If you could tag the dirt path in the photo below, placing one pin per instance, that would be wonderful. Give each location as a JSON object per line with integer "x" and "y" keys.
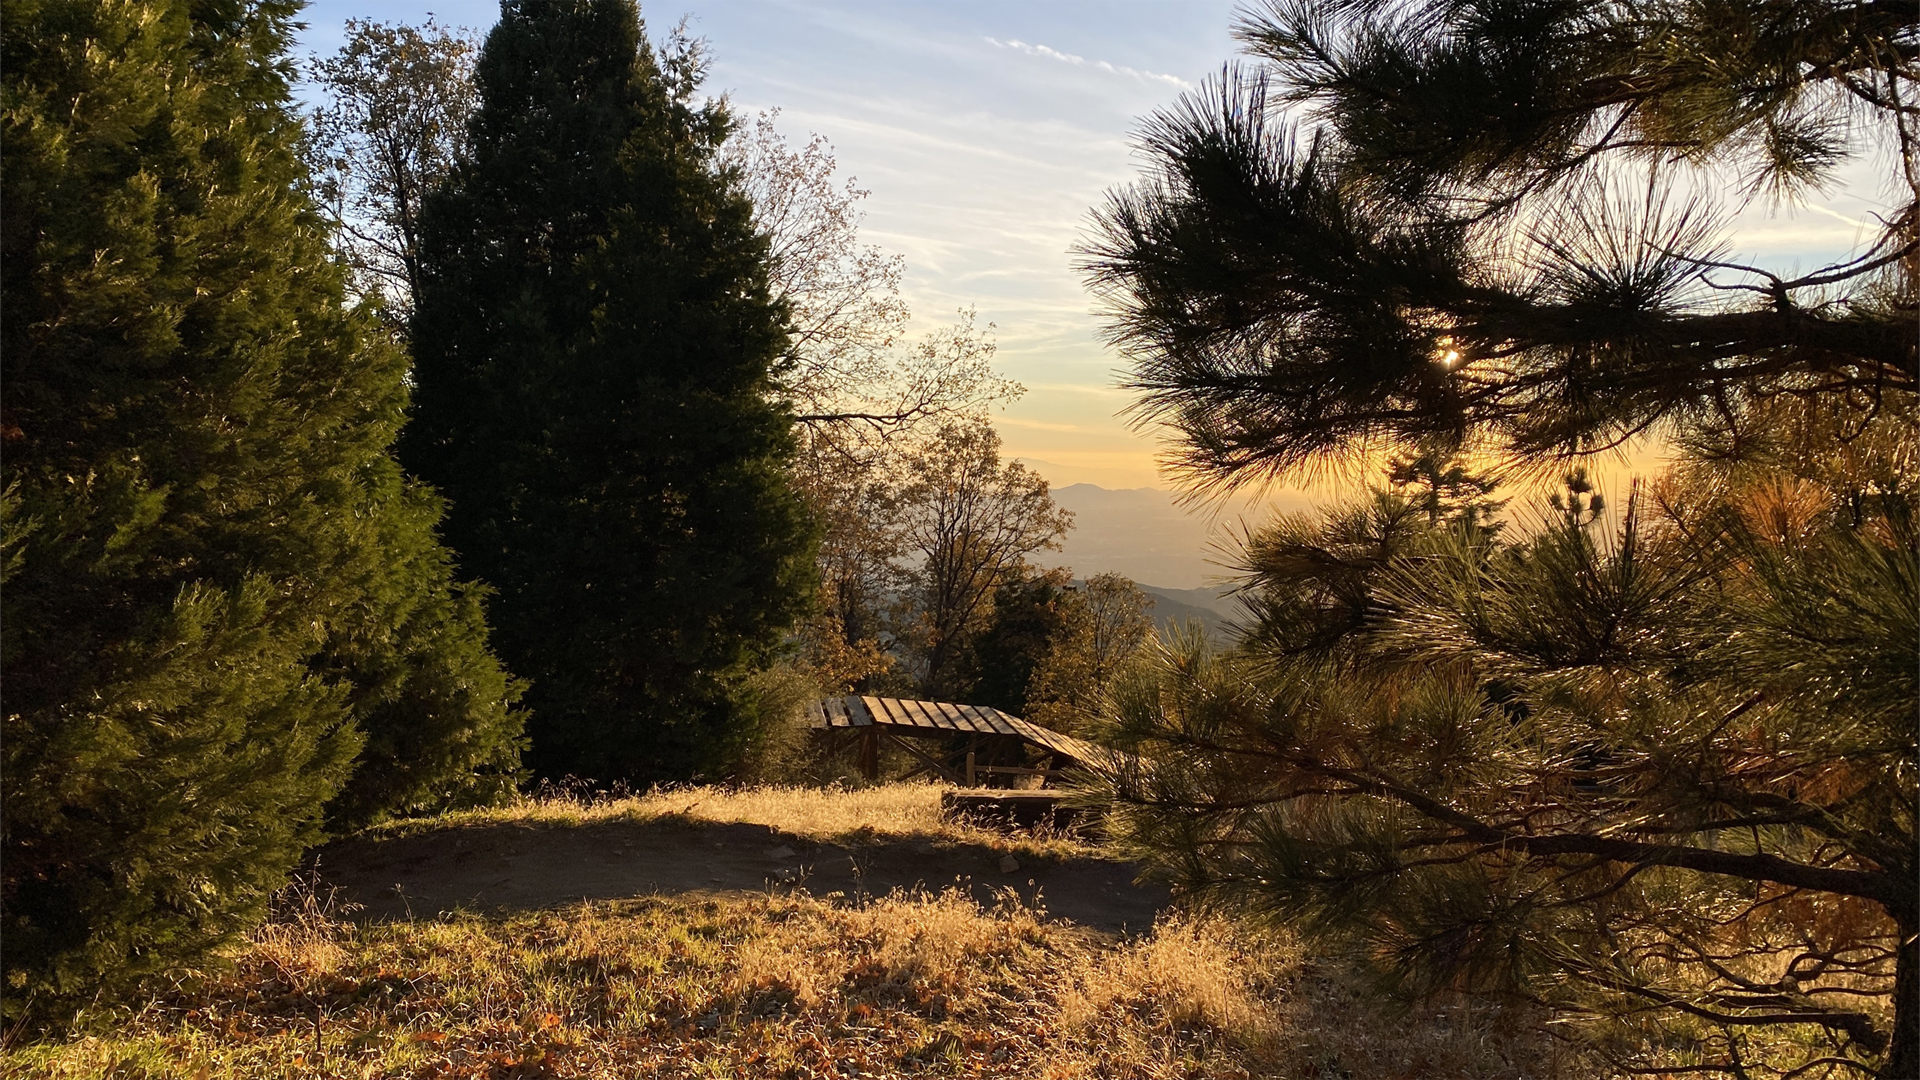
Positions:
{"x": 502, "y": 868}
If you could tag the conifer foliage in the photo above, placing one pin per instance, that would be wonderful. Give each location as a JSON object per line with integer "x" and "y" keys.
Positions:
{"x": 1489, "y": 223}
{"x": 219, "y": 587}
{"x": 1650, "y": 766}
{"x": 594, "y": 343}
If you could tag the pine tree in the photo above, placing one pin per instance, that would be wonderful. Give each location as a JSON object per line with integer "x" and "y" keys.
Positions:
{"x": 1494, "y": 235}
{"x": 218, "y": 586}
{"x": 593, "y": 342}
{"x": 1654, "y": 775}
{"x": 1652, "y": 766}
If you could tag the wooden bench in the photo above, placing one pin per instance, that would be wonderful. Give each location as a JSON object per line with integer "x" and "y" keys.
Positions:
{"x": 996, "y": 808}
{"x": 975, "y": 771}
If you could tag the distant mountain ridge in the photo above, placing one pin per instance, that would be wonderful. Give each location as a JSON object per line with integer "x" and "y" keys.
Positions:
{"x": 1143, "y": 534}
{"x": 1174, "y": 607}
{"x": 1202, "y": 606}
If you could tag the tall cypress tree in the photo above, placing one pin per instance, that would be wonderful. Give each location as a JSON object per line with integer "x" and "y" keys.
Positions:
{"x": 593, "y": 341}
{"x": 219, "y": 588}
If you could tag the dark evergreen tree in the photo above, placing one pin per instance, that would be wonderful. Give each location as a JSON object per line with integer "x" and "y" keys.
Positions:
{"x": 218, "y": 585}
{"x": 593, "y": 339}
{"x": 433, "y": 702}
{"x": 1028, "y": 617}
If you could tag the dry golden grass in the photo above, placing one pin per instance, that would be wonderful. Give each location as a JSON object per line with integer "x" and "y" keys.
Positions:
{"x": 817, "y": 813}
{"x": 824, "y": 814}
{"x": 779, "y": 985}
{"x": 773, "y": 986}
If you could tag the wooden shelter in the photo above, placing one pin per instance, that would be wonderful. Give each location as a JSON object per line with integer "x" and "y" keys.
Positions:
{"x": 968, "y": 745}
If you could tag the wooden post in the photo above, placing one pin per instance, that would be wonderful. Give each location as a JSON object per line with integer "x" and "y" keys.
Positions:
{"x": 870, "y": 754}
{"x": 969, "y": 768}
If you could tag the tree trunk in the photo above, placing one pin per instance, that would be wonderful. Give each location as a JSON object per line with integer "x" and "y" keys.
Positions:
{"x": 1903, "y": 1057}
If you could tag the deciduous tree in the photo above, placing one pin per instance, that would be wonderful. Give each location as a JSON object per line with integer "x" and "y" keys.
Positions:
{"x": 971, "y": 520}
{"x": 1105, "y": 625}
{"x": 853, "y": 376}
{"x": 864, "y": 392}
{"x": 849, "y": 640}
{"x": 393, "y": 124}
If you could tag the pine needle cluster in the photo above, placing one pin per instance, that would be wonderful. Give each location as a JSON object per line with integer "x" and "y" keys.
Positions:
{"x": 1653, "y": 771}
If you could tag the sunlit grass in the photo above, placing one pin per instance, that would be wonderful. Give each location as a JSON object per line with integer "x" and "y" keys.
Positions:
{"x": 817, "y": 813}
{"x": 887, "y": 811}
{"x": 775, "y": 985}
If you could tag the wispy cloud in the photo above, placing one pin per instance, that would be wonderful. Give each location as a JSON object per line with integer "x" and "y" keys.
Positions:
{"x": 1097, "y": 65}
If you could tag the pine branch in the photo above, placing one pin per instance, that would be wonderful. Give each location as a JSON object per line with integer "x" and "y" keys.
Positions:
{"x": 1884, "y": 888}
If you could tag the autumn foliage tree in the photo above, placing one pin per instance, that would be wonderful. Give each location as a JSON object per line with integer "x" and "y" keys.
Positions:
{"x": 970, "y": 521}
{"x": 1052, "y": 647}
{"x": 1106, "y": 627}
{"x": 855, "y": 377}
{"x": 867, "y": 394}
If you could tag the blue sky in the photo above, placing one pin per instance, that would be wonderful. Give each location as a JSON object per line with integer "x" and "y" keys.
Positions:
{"x": 986, "y": 132}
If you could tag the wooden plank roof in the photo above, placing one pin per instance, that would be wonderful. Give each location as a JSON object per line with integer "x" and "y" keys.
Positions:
{"x": 941, "y": 717}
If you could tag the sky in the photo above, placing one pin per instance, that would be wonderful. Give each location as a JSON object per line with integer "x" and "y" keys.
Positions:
{"x": 986, "y": 132}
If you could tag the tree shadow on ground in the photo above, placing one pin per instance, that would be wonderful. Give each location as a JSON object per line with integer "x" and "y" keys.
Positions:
{"x": 503, "y": 868}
